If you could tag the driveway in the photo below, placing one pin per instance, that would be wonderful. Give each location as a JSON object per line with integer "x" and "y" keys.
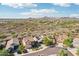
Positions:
{"x": 47, "y": 52}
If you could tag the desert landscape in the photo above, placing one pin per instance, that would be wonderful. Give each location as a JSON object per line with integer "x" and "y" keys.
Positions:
{"x": 39, "y": 36}
{"x": 39, "y": 29}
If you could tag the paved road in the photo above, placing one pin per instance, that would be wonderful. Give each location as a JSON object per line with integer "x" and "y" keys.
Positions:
{"x": 48, "y": 51}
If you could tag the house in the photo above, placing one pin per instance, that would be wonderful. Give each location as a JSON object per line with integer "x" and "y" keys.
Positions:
{"x": 38, "y": 38}
{"x": 12, "y": 43}
{"x": 26, "y": 41}
{"x": 3, "y": 42}
{"x": 76, "y": 42}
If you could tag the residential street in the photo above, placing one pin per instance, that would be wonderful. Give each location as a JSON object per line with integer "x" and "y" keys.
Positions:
{"x": 48, "y": 51}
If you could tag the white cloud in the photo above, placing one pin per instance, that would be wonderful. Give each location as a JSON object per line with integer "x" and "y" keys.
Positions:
{"x": 20, "y": 5}
{"x": 76, "y": 3}
{"x": 39, "y": 13}
{"x": 62, "y": 4}
{"x": 74, "y": 15}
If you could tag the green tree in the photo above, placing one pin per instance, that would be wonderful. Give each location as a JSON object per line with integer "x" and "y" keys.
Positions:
{"x": 5, "y": 53}
{"x": 68, "y": 42}
{"x": 47, "y": 41}
{"x": 21, "y": 49}
{"x": 63, "y": 53}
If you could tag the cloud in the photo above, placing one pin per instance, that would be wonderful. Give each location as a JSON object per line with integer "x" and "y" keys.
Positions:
{"x": 19, "y": 5}
{"x": 76, "y": 4}
{"x": 74, "y": 15}
{"x": 62, "y": 4}
{"x": 35, "y": 13}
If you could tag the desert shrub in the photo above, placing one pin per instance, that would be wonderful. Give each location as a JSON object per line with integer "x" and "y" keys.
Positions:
{"x": 77, "y": 52}
{"x": 21, "y": 49}
{"x": 47, "y": 41}
{"x": 5, "y": 53}
{"x": 63, "y": 53}
{"x": 68, "y": 42}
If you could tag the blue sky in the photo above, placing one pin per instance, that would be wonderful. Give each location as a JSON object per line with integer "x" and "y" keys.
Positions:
{"x": 36, "y": 10}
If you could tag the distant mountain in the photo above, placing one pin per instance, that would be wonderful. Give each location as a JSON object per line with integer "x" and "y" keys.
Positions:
{"x": 43, "y": 18}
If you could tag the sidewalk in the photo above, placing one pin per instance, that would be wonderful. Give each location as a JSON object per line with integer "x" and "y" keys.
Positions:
{"x": 73, "y": 51}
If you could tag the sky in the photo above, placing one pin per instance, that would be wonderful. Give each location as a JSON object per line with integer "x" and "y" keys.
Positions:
{"x": 37, "y": 10}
